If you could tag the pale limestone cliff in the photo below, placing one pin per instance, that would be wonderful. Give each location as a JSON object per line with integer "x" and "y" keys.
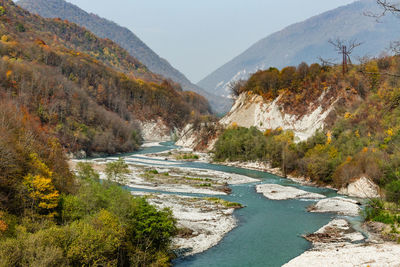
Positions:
{"x": 252, "y": 110}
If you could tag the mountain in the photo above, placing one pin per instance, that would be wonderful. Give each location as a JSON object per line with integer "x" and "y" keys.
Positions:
{"x": 308, "y": 40}
{"x": 124, "y": 37}
{"x": 87, "y": 92}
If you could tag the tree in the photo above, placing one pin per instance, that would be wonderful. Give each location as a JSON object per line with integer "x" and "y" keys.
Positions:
{"x": 43, "y": 197}
{"x": 345, "y": 48}
{"x": 236, "y": 87}
{"x": 86, "y": 172}
{"x": 389, "y": 6}
{"x": 118, "y": 171}
{"x": 286, "y": 138}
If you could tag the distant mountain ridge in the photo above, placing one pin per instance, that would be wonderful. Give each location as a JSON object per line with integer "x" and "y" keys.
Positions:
{"x": 124, "y": 37}
{"x": 307, "y": 40}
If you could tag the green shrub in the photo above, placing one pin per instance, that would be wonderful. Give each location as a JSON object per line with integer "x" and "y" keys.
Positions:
{"x": 393, "y": 191}
{"x": 20, "y": 27}
{"x": 153, "y": 171}
{"x": 117, "y": 171}
{"x": 86, "y": 172}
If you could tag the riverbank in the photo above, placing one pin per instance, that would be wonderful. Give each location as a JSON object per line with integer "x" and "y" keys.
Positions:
{"x": 337, "y": 244}
{"x": 339, "y": 236}
{"x": 187, "y": 154}
{"x": 265, "y": 167}
{"x": 359, "y": 188}
{"x": 168, "y": 176}
{"x": 202, "y": 222}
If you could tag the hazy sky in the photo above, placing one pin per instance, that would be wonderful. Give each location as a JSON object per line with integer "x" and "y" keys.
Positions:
{"x": 198, "y": 36}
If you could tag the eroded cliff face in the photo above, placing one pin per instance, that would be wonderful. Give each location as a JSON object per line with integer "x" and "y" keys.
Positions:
{"x": 202, "y": 138}
{"x": 303, "y": 117}
{"x": 155, "y": 130}
{"x": 252, "y": 110}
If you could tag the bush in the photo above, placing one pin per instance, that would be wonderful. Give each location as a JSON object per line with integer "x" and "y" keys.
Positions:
{"x": 321, "y": 161}
{"x": 117, "y": 171}
{"x": 20, "y": 27}
{"x": 393, "y": 191}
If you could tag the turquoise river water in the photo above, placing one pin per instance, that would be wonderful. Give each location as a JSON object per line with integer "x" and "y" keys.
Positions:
{"x": 268, "y": 232}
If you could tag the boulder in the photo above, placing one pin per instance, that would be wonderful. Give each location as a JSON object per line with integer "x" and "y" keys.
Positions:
{"x": 361, "y": 188}
{"x": 279, "y": 192}
{"x": 340, "y": 205}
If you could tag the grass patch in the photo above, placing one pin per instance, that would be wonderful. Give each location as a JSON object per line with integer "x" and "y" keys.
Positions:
{"x": 152, "y": 171}
{"x": 186, "y": 156}
{"x": 223, "y": 202}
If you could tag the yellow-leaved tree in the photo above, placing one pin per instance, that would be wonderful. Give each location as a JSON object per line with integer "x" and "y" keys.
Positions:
{"x": 42, "y": 196}
{"x": 285, "y": 138}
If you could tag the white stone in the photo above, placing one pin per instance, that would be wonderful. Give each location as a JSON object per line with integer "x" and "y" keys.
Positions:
{"x": 155, "y": 130}
{"x": 189, "y": 138}
{"x": 338, "y": 205}
{"x": 351, "y": 255}
{"x": 344, "y": 227}
{"x": 279, "y": 192}
{"x": 342, "y": 252}
{"x": 361, "y": 188}
{"x": 253, "y": 111}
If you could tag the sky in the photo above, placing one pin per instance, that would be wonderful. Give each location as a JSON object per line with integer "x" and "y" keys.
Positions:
{"x": 199, "y": 36}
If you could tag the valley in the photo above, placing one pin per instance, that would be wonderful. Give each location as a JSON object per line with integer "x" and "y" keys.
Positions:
{"x": 109, "y": 156}
{"x": 216, "y": 221}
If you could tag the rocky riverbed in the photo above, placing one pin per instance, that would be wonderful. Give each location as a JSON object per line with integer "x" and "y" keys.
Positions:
{"x": 337, "y": 244}
{"x": 202, "y": 222}
{"x": 169, "y": 177}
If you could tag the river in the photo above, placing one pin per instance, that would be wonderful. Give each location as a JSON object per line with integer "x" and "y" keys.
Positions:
{"x": 268, "y": 232}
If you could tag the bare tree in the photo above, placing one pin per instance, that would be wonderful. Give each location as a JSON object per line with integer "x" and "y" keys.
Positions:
{"x": 346, "y": 49}
{"x": 392, "y": 7}
{"x": 236, "y": 87}
{"x": 389, "y": 6}
{"x": 326, "y": 62}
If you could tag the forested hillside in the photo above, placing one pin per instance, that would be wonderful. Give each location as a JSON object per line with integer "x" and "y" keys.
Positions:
{"x": 361, "y": 134}
{"x": 51, "y": 217}
{"x": 84, "y": 90}
{"x": 56, "y": 97}
{"x": 125, "y": 38}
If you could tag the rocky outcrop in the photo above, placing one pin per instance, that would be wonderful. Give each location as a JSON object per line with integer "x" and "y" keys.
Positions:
{"x": 187, "y": 137}
{"x": 252, "y": 110}
{"x": 279, "y": 192}
{"x": 361, "y": 188}
{"x": 201, "y": 139}
{"x": 155, "y": 130}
